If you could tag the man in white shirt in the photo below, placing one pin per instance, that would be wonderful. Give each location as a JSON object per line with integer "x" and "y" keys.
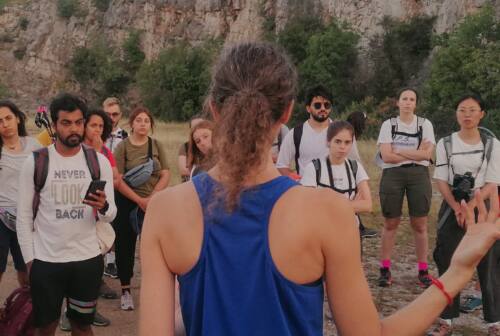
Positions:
{"x": 58, "y": 238}
{"x": 112, "y": 108}
{"x": 309, "y": 137}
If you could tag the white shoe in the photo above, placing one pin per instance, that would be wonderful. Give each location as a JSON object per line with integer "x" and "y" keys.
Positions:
{"x": 127, "y": 303}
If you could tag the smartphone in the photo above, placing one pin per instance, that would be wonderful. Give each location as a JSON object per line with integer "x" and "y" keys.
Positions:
{"x": 93, "y": 187}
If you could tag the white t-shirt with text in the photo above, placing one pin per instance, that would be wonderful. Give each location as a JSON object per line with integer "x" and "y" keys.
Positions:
{"x": 406, "y": 142}
{"x": 64, "y": 228}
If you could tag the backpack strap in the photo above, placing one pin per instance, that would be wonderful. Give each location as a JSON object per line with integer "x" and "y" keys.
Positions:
{"x": 280, "y": 140}
{"x": 297, "y": 137}
{"x": 150, "y": 147}
{"x": 41, "y": 158}
{"x": 317, "y": 168}
{"x": 394, "y": 127}
{"x": 124, "y": 134}
{"x": 92, "y": 162}
{"x": 487, "y": 141}
{"x": 420, "y": 130}
{"x": 354, "y": 167}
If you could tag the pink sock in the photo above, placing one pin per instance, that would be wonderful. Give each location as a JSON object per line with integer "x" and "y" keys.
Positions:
{"x": 386, "y": 263}
{"x": 422, "y": 266}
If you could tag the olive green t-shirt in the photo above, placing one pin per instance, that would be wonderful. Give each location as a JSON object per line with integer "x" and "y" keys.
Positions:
{"x": 128, "y": 156}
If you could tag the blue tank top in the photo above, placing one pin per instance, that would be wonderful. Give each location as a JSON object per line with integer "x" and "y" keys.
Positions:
{"x": 235, "y": 287}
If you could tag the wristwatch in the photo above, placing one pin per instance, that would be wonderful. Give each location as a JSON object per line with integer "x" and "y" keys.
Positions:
{"x": 105, "y": 208}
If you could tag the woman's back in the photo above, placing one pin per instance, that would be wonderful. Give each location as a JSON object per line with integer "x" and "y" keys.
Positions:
{"x": 235, "y": 283}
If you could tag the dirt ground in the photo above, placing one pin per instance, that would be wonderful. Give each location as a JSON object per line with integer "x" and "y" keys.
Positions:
{"x": 404, "y": 289}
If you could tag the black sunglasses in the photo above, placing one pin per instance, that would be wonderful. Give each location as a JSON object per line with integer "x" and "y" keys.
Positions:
{"x": 327, "y": 105}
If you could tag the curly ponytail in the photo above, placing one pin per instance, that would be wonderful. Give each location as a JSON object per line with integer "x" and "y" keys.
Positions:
{"x": 252, "y": 85}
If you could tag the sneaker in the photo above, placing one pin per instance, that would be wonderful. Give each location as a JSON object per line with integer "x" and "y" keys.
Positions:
{"x": 385, "y": 279}
{"x": 368, "y": 233}
{"x": 127, "y": 303}
{"x": 64, "y": 324}
{"x": 494, "y": 329}
{"x": 106, "y": 292}
{"x": 111, "y": 271}
{"x": 424, "y": 279}
{"x": 441, "y": 329}
{"x": 100, "y": 321}
{"x": 471, "y": 303}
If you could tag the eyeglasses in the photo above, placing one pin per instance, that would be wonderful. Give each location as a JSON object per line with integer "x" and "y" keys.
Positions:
{"x": 114, "y": 114}
{"x": 327, "y": 105}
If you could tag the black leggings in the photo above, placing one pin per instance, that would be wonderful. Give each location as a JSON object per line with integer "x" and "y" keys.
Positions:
{"x": 448, "y": 238}
{"x": 126, "y": 239}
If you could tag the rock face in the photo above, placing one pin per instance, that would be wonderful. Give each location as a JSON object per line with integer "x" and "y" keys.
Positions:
{"x": 36, "y": 44}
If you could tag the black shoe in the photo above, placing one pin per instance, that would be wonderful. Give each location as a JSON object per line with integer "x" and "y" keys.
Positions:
{"x": 111, "y": 271}
{"x": 385, "y": 279}
{"x": 424, "y": 279}
{"x": 100, "y": 321}
{"x": 106, "y": 292}
{"x": 367, "y": 233}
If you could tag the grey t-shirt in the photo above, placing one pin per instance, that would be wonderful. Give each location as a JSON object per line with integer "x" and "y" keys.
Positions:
{"x": 10, "y": 168}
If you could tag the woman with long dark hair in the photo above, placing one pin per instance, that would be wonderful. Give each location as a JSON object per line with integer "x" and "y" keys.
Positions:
{"x": 15, "y": 146}
{"x": 251, "y": 248}
{"x": 200, "y": 156}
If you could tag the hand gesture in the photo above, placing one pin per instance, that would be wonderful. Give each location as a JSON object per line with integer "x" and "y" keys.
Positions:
{"x": 479, "y": 237}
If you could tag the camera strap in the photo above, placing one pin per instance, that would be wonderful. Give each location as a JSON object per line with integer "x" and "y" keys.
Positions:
{"x": 486, "y": 151}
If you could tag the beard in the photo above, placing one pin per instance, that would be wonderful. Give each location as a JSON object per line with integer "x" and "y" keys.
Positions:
{"x": 71, "y": 141}
{"x": 319, "y": 118}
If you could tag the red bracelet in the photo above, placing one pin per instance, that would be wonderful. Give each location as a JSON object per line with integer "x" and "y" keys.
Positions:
{"x": 440, "y": 285}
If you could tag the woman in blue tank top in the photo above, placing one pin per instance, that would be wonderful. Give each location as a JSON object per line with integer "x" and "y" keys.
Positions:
{"x": 250, "y": 247}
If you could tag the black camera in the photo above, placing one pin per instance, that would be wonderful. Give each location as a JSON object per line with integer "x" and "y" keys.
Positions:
{"x": 462, "y": 186}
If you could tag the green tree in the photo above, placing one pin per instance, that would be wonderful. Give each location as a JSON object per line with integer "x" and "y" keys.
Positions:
{"x": 467, "y": 61}
{"x": 295, "y": 36}
{"x": 99, "y": 70}
{"x": 133, "y": 56}
{"x": 399, "y": 53}
{"x": 331, "y": 58}
{"x": 174, "y": 85}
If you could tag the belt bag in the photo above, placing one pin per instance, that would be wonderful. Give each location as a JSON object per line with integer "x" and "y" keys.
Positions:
{"x": 8, "y": 217}
{"x": 105, "y": 236}
{"x": 140, "y": 174}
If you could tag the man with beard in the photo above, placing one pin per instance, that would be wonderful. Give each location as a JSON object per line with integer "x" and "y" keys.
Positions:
{"x": 58, "y": 238}
{"x": 308, "y": 140}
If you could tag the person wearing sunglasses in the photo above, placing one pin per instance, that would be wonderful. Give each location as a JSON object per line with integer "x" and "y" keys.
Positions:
{"x": 112, "y": 108}
{"x": 307, "y": 141}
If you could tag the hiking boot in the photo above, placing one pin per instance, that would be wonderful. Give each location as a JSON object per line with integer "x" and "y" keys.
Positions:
{"x": 127, "y": 302}
{"x": 367, "y": 233}
{"x": 424, "y": 279}
{"x": 441, "y": 329}
{"x": 106, "y": 292}
{"x": 100, "y": 321}
{"x": 64, "y": 324}
{"x": 111, "y": 271}
{"x": 385, "y": 279}
{"x": 471, "y": 303}
{"x": 494, "y": 329}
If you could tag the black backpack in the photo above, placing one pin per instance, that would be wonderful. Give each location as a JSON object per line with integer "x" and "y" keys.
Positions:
{"x": 297, "y": 137}
{"x": 350, "y": 166}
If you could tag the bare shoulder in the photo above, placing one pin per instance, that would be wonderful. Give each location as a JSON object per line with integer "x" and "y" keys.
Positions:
{"x": 321, "y": 208}
{"x": 172, "y": 206}
{"x": 174, "y": 220}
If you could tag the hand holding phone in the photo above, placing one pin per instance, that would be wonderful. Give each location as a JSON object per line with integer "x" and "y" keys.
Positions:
{"x": 93, "y": 187}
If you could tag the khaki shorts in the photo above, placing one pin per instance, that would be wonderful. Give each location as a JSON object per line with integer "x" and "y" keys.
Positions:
{"x": 415, "y": 182}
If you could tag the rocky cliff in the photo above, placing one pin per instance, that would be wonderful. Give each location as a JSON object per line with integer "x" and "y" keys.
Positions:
{"x": 36, "y": 43}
